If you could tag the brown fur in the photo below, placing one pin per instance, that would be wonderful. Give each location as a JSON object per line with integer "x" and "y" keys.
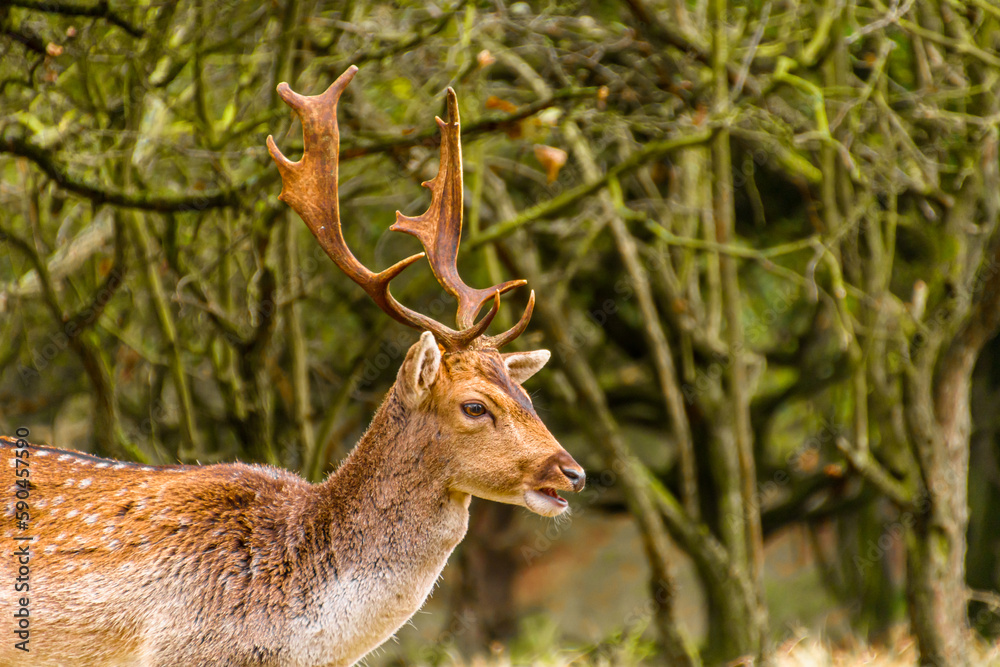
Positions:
{"x": 237, "y": 564}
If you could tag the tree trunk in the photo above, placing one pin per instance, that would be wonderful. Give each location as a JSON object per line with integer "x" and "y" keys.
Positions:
{"x": 936, "y": 592}
{"x": 936, "y": 585}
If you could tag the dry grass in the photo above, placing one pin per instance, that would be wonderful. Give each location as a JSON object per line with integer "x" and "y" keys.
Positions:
{"x": 899, "y": 651}
{"x": 803, "y": 651}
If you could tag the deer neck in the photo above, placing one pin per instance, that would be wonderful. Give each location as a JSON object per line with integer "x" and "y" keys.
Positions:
{"x": 392, "y": 524}
{"x": 393, "y": 483}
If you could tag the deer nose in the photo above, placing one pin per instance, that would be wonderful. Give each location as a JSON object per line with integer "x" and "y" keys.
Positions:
{"x": 576, "y": 476}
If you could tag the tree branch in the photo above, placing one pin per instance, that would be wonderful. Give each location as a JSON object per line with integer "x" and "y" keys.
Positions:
{"x": 100, "y": 10}
{"x": 569, "y": 197}
{"x": 873, "y": 472}
{"x": 160, "y": 202}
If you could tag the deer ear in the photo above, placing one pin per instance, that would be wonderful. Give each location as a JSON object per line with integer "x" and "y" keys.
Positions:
{"x": 522, "y": 365}
{"x": 420, "y": 368}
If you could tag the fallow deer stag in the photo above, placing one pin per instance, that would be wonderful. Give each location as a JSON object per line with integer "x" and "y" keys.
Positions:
{"x": 237, "y": 564}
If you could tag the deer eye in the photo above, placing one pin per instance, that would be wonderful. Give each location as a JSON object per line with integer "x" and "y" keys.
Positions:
{"x": 474, "y": 409}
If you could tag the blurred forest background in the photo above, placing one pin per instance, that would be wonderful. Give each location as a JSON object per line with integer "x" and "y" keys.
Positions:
{"x": 764, "y": 238}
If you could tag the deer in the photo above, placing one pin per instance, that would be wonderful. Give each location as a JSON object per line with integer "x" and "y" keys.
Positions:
{"x": 236, "y": 564}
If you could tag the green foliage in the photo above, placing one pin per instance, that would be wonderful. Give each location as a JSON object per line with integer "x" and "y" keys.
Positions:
{"x": 772, "y": 225}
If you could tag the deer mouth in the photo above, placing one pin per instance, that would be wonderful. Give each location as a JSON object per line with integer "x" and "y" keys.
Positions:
{"x": 546, "y": 501}
{"x": 552, "y": 493}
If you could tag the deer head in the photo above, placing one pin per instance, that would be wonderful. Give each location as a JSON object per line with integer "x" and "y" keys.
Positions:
{"x": 458, "y": 391}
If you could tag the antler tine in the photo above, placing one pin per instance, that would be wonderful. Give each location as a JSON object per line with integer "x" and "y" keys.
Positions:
{"x": 500, "y": 340}
{"x": 440, "y": 227}
{"x": 310, "y": 187}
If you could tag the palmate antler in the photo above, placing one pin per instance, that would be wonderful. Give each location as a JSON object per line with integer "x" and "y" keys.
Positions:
{"x": 310, "y": 187}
